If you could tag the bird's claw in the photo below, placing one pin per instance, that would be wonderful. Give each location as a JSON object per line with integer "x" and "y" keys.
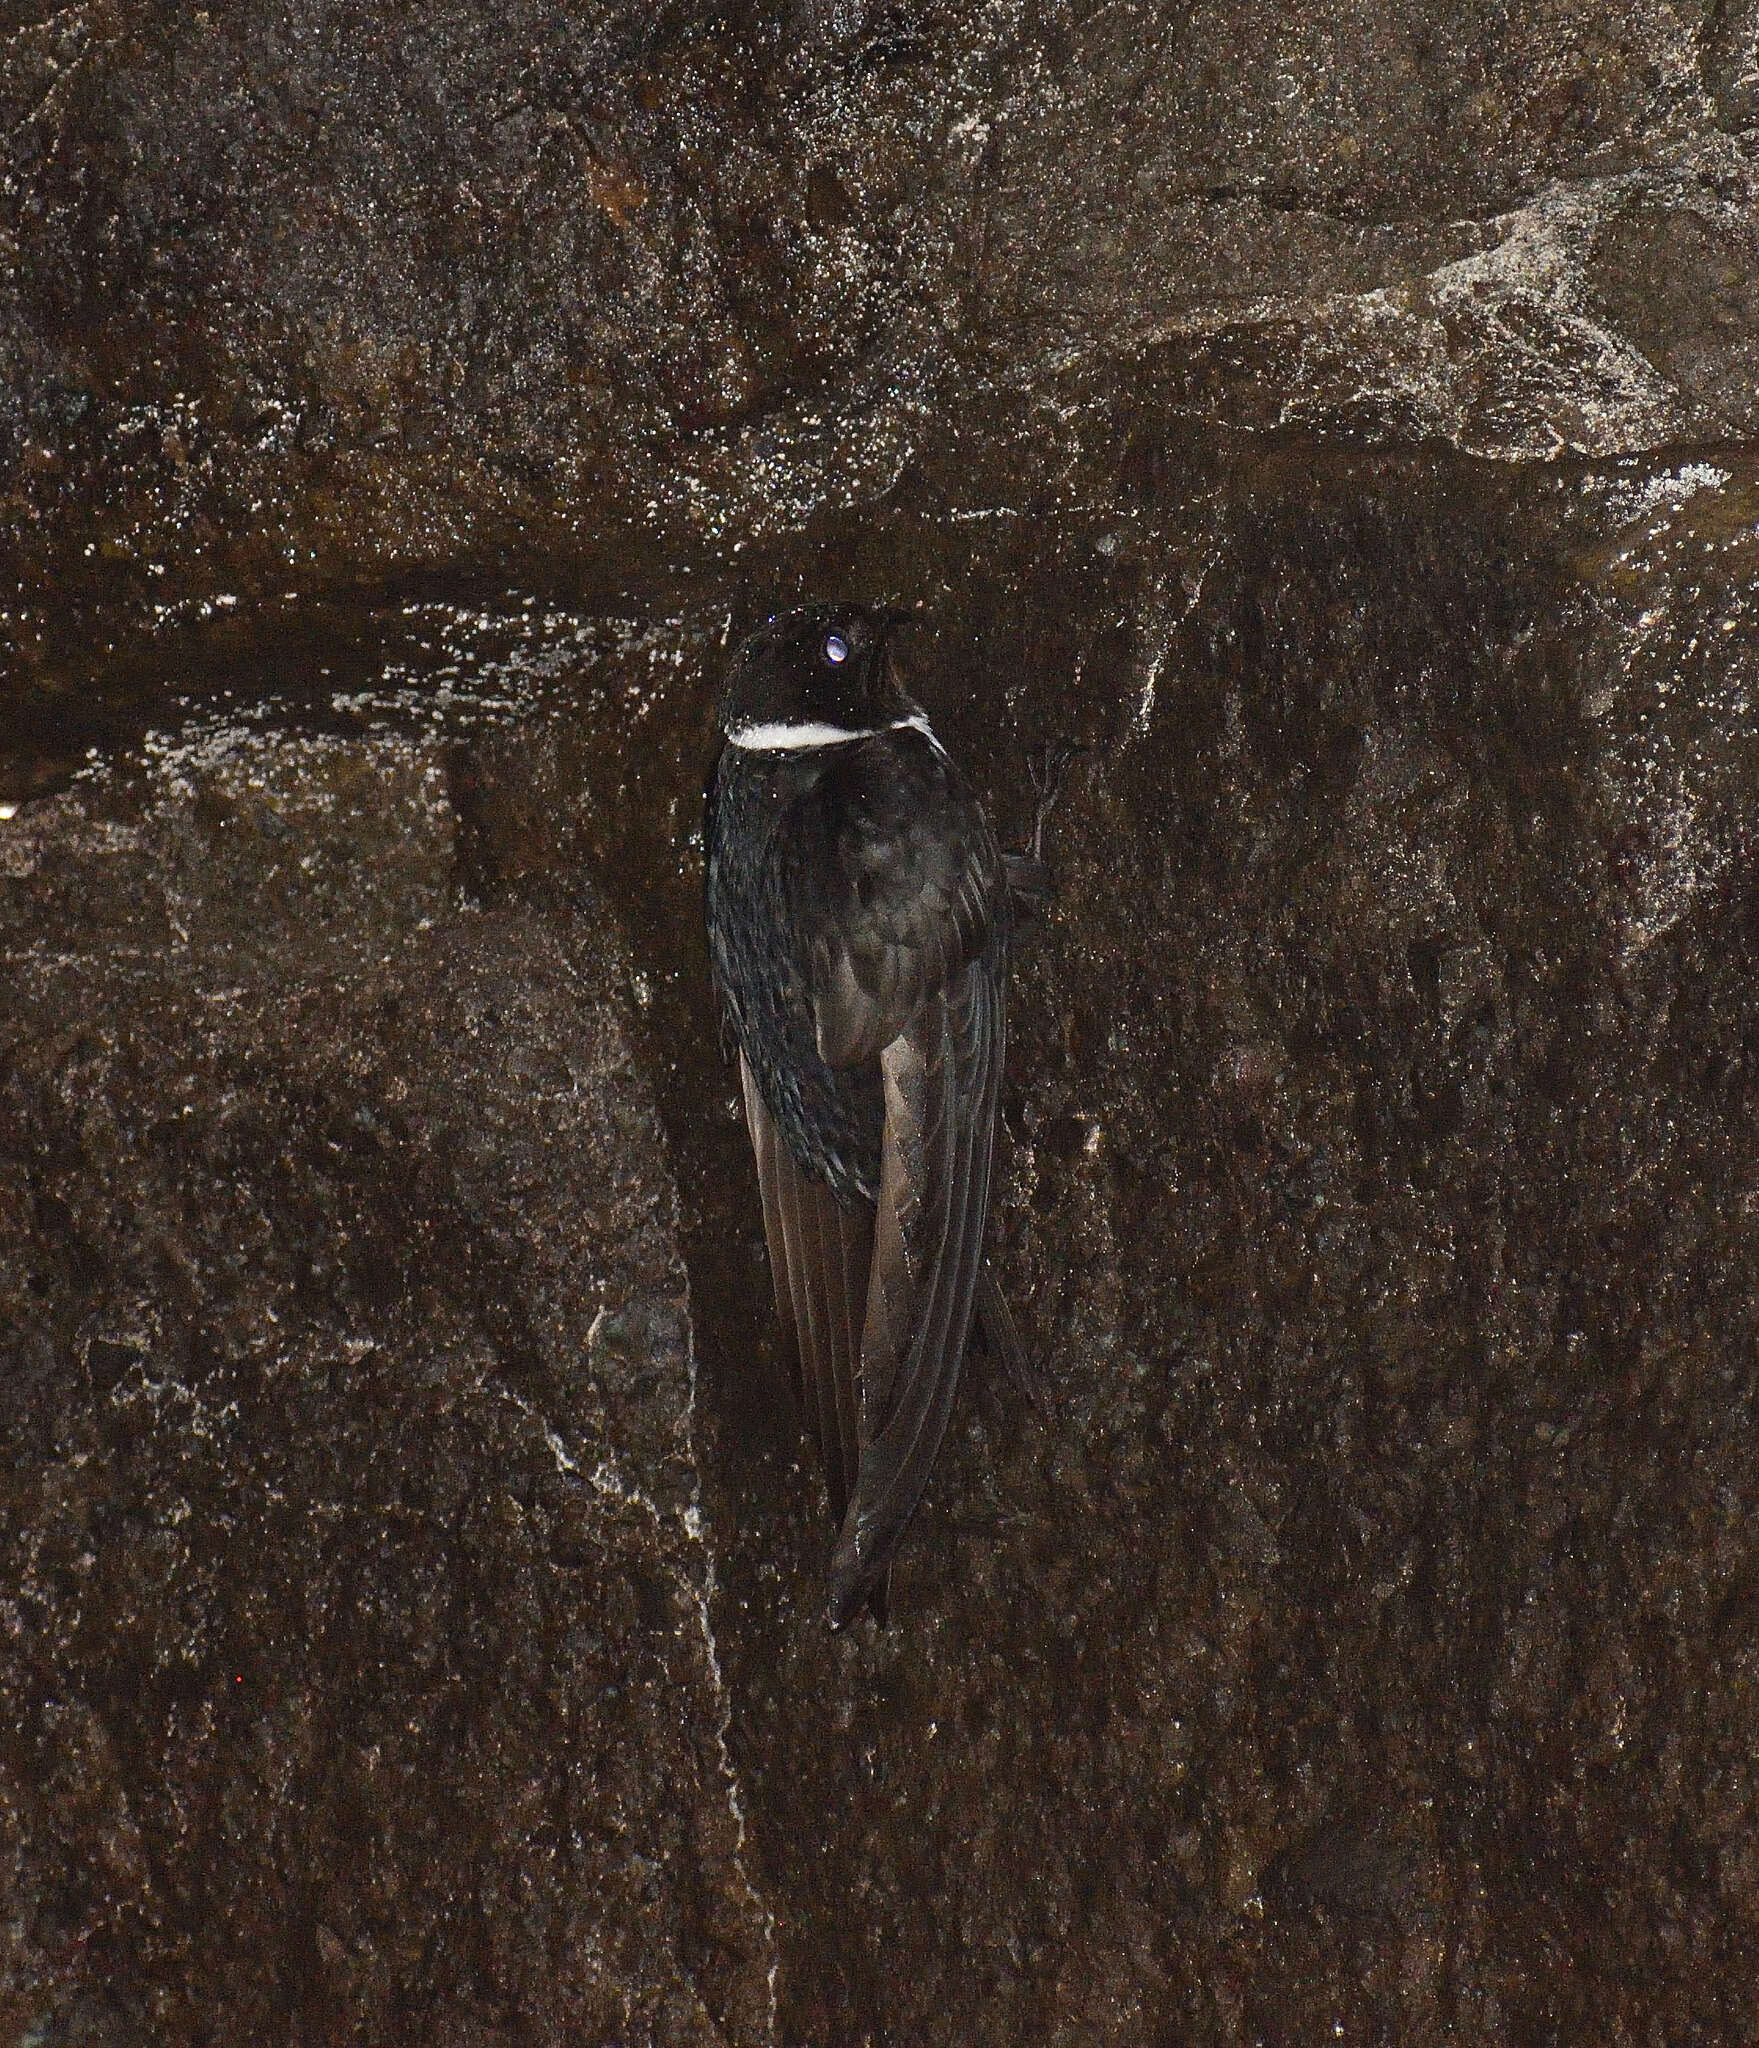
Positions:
{"x": 1047, "y": 770}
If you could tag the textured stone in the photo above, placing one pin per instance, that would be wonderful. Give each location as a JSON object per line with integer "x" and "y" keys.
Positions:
{"x": 310, "y": 291}
{"x": 1338, "y": 420}
{"x": 355, "y": 1648}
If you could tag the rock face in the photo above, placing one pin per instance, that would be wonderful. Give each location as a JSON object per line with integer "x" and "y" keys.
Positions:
{"x": 359, "y": 1672}
{"x": 299, "y": 290}
{"x": 1368, "y": 1642}
{"x": 1338, "y": 420}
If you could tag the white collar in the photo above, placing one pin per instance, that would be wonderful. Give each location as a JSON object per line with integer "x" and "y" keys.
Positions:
{"x": 779, "y": 737}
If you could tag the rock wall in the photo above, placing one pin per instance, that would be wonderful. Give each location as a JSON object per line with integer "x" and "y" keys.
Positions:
{"x": 1339, "y": 421}
{"x": 324, "y": 290}
{"x": 356, "y": 1643}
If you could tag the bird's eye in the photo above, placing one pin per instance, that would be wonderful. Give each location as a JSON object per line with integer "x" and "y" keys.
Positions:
{"x": 836, "y": 647}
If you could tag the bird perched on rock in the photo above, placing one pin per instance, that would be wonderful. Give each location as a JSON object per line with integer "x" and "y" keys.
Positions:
{"x": 858, "y": 921}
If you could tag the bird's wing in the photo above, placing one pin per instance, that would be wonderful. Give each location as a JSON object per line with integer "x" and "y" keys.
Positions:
{"x": 896, "y": 884}
{"x": 820, "y": 1250}
{"x": 907, "y": 954}
{"x": 942, "y": 1075}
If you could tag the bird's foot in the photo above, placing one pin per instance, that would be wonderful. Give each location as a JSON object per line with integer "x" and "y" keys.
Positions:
{"x": 1047, "y": 771}
{"x": 1029, "y": 875}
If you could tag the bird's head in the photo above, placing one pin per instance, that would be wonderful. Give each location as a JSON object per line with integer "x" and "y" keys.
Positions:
{"x": 814, "y": 677}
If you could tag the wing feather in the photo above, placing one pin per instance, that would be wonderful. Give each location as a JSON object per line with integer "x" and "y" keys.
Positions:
{"x": 767, "y": 1150}
{"x": 820, "y": 1251}
{"x": 942, "y": 1077}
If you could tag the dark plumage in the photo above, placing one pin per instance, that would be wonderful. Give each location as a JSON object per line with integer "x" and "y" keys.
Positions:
{"x": 858, "y": 926}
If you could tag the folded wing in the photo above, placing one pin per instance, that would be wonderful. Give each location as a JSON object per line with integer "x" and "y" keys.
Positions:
{"x": 941, "y": 1078}
{"x": 900, "y": 895}
{"x": 820, "y": 1252}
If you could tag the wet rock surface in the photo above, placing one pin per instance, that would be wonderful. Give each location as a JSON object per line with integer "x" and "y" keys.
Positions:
{"x": 1341, "y": 426}
{"x": 355, "y": 1639}
{"x": 307, "y": 294}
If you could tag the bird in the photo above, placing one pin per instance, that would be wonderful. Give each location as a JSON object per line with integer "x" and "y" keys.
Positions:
{"x": 859, "y": 922}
